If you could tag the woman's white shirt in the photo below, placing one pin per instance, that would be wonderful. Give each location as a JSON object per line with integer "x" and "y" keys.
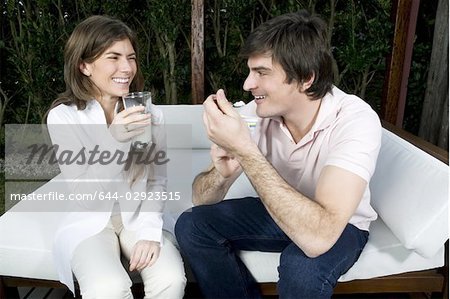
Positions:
{"x": 81, "y": 131}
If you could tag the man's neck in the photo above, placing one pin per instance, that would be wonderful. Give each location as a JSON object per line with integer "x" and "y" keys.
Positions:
{"x": 300, "y": 121}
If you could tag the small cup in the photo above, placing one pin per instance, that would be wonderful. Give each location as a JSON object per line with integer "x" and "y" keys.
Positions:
{"x": 141, "y": 98}
{"x": 251, "y": 122}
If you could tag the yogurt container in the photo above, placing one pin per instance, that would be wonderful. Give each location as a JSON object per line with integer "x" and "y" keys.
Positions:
{"x": 250, "y": 120}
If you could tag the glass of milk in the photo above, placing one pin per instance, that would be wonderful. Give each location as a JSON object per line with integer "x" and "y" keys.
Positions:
{"x": 141, "y": 98}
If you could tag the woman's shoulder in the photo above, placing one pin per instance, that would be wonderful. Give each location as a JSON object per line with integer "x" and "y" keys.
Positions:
{"x": 62, "y": 114}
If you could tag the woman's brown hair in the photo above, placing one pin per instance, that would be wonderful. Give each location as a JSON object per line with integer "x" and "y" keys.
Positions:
{"x": 88, "y": 41}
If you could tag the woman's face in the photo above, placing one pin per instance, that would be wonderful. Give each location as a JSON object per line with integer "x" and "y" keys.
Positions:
{"x": 113, "y": 71}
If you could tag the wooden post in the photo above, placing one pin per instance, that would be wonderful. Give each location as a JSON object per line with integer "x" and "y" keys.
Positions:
{"x": 197, "y": 52}
{"x": 434, "y": 120}
{"x": 404, "y": 14}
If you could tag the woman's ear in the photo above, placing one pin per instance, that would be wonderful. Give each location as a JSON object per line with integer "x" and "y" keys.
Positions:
{"x": 84, "y": 68}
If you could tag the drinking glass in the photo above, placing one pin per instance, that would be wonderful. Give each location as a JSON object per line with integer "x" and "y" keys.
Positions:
{"x": 141, "y": 98}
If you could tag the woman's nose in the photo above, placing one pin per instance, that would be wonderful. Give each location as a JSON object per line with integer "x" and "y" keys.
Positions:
{"x": 127, "y": 65}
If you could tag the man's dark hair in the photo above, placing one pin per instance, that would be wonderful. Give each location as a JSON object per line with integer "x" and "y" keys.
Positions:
{"x": 298, "y": 42}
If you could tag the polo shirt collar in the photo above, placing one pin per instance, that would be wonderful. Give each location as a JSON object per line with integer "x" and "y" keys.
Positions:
{"x": 326, "y": 116}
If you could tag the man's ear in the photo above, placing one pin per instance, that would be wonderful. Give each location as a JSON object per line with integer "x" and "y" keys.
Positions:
{"x": 307, "y": 84}
{"x": 84, "y": 68}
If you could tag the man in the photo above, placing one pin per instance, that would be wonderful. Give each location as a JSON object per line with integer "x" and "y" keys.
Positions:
{"x": 310, "y": 160}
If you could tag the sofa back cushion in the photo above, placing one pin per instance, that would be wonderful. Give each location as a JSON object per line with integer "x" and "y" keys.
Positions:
{"x": 410, "y": 193}
{"x": 179, "y": 120}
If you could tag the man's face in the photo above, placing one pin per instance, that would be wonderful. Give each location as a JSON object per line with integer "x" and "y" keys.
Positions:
{"x": 266, "y": 82}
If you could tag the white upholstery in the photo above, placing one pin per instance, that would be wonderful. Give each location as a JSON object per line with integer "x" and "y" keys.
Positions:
{"x": 410, "y": 193}
{"x": 409, "y": 188}
{"x": 383, "y": 255}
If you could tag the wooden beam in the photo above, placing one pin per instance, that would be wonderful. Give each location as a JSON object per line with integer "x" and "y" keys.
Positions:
{"x": 412, "y": 282}
{"x": 404, "y": 15}
{"x": 197, "y": 52}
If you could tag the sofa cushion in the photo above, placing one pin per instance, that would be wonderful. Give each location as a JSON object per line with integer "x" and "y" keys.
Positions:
{"x": 383, "y": 255}
{"x": 26, "y": 240}
{"x": 188, "y": 116}
{"x": 410, "y": 193}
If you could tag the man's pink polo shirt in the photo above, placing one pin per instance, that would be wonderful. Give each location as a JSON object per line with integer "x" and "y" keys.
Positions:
{"x": 346, "y": 134}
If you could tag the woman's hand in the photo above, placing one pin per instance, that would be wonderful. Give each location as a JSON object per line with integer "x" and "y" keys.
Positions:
{"x": 129, "y": 123}
{"x": 144, "y": 254}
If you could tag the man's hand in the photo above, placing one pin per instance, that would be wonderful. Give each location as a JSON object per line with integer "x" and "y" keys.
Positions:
{"x": 225, "y": 164}
{"x": 225, "y": 126}
{"x": 129, "y": 123}
{"x": 144, "y": 254}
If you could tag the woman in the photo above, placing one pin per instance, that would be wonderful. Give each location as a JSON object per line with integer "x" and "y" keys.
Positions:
{"x": 100, "y": 65}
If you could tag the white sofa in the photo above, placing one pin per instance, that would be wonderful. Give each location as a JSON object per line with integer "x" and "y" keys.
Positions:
{"x": 409, "y": 192}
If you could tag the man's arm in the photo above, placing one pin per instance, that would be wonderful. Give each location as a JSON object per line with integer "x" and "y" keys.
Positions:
{"x": 210, "y": 187}
{"x": 313, "y": 225}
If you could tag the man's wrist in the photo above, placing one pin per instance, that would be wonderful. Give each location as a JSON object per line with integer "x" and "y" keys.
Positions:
{"x": 249, "y": 150}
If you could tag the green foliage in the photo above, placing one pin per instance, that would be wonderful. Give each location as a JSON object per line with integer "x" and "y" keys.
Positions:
{"x": 34, "y": 33}
{"x": 166, "y": 25}
{"x": 31, "y": 63}
{"x": 360, "y": 42}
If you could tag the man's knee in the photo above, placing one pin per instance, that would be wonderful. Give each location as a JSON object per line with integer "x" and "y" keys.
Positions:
{"x": 183, "y": 228}
{"x": 196, "y": 220}
{"x": 304, "y": 277}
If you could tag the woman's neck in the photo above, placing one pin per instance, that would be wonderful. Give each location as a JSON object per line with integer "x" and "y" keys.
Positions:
{"x": 108, "y": 106}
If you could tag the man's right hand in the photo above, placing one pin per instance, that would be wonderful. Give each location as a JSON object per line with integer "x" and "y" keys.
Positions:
{"x": 224, "y": 163}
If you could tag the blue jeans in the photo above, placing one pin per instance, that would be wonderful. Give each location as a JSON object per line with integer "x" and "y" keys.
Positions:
{"x": 210, "y": 236}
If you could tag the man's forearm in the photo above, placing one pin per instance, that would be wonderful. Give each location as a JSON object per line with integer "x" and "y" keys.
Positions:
{"x": 209, "y": 187}
{"x": 305, "y": 222}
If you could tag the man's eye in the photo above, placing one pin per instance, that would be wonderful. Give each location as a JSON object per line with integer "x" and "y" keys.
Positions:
{"x": 112, "y": 57}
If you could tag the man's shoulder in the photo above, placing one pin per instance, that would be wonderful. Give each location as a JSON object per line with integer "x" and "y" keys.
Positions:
{"x": 350, "y": 101}
{"x": 352, "y": 107}
{"x": 355, "y": 119}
